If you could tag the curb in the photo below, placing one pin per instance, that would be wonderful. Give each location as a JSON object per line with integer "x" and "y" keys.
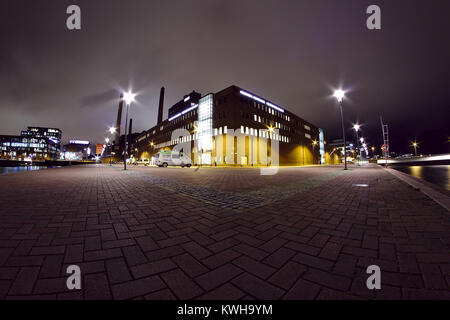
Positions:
{"x": 438, "y": 197}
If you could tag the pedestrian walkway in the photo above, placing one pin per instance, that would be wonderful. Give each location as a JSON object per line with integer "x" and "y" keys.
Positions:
{"x": 307, "y": 233}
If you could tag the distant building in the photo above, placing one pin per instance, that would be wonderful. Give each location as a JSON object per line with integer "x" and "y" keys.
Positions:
{"x": 234, "y": 126}
{"x": 77, "y": 150}
{"x": 36, "y": 142}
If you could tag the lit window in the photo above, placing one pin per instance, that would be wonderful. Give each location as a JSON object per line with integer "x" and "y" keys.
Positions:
{"x": 225, "y": 130}
{"x": 242, "y": 129}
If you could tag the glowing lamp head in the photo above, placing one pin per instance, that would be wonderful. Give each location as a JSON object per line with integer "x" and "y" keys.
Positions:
{"x": 128, "y": 97}
{"x": 112, "y": 130}
{"x": 107, "y": 140}
{"x": 361, "y": 139}
{"x": 339, "y": 95}
{"x": 356, "y": 127}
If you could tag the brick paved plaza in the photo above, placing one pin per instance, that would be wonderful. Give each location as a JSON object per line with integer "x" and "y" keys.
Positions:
{"x": 220, "y": 233}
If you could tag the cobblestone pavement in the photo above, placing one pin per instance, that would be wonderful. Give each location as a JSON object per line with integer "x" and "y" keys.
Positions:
{"x": 306, "y": 233}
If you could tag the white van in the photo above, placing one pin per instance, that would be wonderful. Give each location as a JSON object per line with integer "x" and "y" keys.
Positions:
{"x": 168, "y": 158}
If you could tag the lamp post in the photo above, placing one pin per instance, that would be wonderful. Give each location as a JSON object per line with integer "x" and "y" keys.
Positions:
{"x": 339, "y": 95}
{"x": 361, "y": 141}
{"x": 356, "y": 127}
{"x": 109, "y": 145}
{"x": 314, "y": 144}
{"x": 112, "y": 131}
{"x": 415, "y": 144}
{"x": 128, "y": 97}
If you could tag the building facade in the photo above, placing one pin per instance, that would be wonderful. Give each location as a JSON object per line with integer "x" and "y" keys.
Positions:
{"x": 76, "y": 150}
{"x": 36, "y": 142}
{"x": 235, "y": 127}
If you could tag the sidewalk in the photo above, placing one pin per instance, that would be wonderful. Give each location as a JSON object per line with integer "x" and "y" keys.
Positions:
{"x": 141, "y": 234}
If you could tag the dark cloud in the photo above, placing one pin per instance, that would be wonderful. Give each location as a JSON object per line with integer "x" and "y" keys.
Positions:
{"x": 99, "y": 99}
{"x": 291, "y": 52}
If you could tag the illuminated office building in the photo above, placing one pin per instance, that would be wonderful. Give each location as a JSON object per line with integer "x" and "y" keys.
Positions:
{"x": 235, "y": 127}
{"x": 36, "y": 142}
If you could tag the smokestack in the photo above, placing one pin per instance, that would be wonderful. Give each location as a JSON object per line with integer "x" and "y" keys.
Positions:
{"x": 161, "y": 105}
{"x": 119, "y": 119}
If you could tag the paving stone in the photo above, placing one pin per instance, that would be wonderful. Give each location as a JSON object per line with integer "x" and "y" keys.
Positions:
{"x": 183, "y": 287}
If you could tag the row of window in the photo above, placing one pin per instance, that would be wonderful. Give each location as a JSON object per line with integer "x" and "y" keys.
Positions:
{"x": 270, "y": 123}
{"x": 265, "y": 108}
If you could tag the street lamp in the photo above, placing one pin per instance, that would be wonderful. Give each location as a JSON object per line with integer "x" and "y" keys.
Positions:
{"x": 107, "y": 140}
{"x": 339, "y": 95}
{"x": 314, "y": 144}
{"x": 356, "y": 127}
{"x": 128, "y": 97}
{"x": 415, "y": 145}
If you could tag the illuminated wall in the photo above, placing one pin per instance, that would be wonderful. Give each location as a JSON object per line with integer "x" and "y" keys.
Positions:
{"x": 204, "y": 129}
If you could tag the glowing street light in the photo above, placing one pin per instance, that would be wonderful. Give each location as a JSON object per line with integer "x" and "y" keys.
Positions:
{"x": 112, "y": 130}
{"x": 107, "y": 140}
{"x": 128, "y": 97}
{"x": 339, "y": 95}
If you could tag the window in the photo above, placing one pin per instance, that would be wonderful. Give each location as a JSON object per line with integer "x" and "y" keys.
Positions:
{"x": 307, "y": 127}
{"x": 308, "y": 135}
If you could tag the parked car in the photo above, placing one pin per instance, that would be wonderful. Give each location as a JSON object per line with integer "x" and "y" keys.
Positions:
{"x": 167, "y": 158}
{"x": 145, "y": 162}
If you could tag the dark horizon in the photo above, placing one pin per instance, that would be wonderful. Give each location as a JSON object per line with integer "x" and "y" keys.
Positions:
{"x": 292, "y": 53}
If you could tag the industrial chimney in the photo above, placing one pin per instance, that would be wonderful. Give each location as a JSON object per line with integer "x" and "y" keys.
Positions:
{"x": 119, "y": 120}
{"x": 161, "y": 105}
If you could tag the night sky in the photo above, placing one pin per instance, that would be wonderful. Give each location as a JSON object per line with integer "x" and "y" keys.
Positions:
{"x": 291, "y": 52}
